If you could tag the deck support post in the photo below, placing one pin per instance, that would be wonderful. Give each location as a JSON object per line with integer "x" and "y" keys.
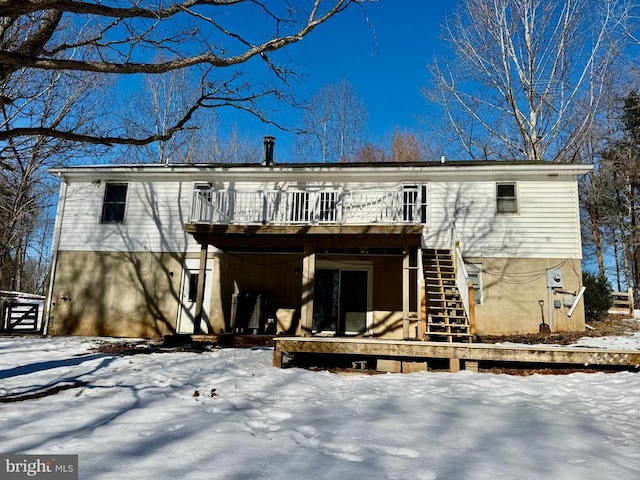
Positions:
{"x": 472, "y": 310}
{"x": 200, "y": 292}
{"x": 277, "y": 356}
{"x": 421, "y": 297}
{"x": 406, "y": 269}
{"x": 308, "y": 280}
{"x": 454, "y": 365}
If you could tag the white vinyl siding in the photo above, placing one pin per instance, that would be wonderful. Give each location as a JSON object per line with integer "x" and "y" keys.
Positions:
{"x": 155, "y": 217}
{"x": 547, "y": 224}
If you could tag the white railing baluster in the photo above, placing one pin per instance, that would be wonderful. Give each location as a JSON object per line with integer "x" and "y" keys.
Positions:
{"x": 294, "y": 206}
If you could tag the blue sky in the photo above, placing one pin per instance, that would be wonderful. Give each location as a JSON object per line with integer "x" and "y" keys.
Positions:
{"x": 385, "y": 62}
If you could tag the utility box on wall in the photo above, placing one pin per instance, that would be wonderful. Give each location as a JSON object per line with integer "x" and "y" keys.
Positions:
{"x": 554, "y": 278}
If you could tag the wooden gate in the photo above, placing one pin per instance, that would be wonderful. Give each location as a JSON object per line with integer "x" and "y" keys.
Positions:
{"x": 18, "y": 317}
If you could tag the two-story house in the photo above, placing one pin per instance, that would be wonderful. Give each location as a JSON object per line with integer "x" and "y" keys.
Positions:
{"x": 430, "y": 250}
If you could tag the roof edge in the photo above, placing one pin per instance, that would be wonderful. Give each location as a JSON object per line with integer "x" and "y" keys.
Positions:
{"x": 436, "y": 168}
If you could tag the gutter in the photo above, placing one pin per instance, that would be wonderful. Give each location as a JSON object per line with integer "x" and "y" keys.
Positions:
{"x": 319, "y": 173}
{"x": 62, "y": 199}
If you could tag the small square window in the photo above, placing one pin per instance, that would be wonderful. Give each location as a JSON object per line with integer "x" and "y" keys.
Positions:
{"x": 506, "y": 199}
{"x": 115, "y": 200}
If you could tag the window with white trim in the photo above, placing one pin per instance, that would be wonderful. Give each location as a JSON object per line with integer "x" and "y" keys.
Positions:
{"x": 115, "y": 201}
{"x": 506, "y": 198}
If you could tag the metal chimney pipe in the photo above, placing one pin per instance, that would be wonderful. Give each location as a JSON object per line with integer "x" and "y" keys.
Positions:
{"x": 269, "y": 142}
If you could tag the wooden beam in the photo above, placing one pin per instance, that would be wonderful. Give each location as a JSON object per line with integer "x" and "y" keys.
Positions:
{"x": 464, "y": 351}
{"x": 406, "y": 269}
{"x": 420, "y": 296}
{"x": 472, "y": 309}
{"x": 308, "y": 283}
{"x": 304, "y": 230}
{"x": 200, "y": 292}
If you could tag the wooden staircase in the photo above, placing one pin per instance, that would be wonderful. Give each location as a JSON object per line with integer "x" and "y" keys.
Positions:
{"x": 447, "y": 320}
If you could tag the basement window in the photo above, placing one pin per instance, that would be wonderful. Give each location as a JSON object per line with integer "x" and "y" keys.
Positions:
{"x": 506, "y": 198}
{"x": 115, "y": 201}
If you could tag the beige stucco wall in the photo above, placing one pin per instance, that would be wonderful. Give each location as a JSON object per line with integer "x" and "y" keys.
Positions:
{"x": 137, "y": 294}
{"x": 387, "y": 298}
{"x": 122, "y": 294}
{"x": 388, "y": 325}
{"x": 512, "y": 289}
{"x": 276, "y": 276}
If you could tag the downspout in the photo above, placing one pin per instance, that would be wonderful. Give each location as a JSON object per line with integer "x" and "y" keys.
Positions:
{"x": 62, "y": 198}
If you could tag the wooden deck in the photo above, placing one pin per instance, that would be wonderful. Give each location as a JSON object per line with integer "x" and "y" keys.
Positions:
{"x": 460, "y": 355}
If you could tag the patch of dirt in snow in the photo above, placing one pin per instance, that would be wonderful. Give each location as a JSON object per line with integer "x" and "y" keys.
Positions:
{"x": 610, "y": 325}
{"x": 143, "y": 346}
{"x": 45, "y": 392}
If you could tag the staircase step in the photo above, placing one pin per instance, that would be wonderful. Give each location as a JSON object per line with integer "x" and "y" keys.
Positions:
{"x": 437, "y": 308}
{"x": 443, "y": 298}
{"x": 457, "y": 322}
{"x": 446, "y": 317}
{"x": 449, "y": 334}
{"x": 448, "y": 326}
{"x": 447, "y": 321}
{"x": 443, "y": 294}
{"x": 437, "y": 317}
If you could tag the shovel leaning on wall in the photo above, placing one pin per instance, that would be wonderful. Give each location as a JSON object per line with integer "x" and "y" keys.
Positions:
{"x": 543, "y": 328}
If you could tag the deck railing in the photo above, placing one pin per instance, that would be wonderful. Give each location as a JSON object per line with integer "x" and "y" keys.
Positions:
{"x": 462, "y": 275}
{"x": 302, "y": 206}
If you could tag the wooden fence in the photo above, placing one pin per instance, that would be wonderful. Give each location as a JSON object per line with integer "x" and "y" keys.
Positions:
{"x": 622, "y": 302}
{"x": 21, "y": 317}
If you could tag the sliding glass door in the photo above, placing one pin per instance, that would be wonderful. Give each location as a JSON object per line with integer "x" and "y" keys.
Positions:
{"x": 341, "y": 299}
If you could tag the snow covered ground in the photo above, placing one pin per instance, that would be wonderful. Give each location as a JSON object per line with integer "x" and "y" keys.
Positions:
{"x": 137, "y": 418}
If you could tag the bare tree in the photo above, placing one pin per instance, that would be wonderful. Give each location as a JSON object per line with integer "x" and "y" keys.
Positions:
{"x": 369, "y": 153}
{"x": 526, "y": 76}
{"x": 333, "y": 124}
{"x": 164, "y": 99}
{"x": 405, "y": 147}
{"x": 60, "y": 59}
{"x": 115, "y": 38}
{"x": 621, "y": 171}
{"x": 26, "y": 190}
{"x": 235, "y": 148}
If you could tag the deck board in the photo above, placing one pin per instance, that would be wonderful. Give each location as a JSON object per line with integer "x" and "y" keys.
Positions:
{"x": 398, "y": 349}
